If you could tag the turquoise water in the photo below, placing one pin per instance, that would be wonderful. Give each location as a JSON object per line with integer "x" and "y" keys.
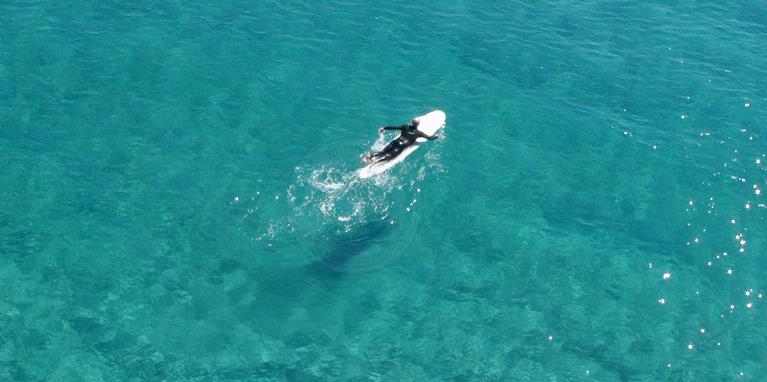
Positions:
{"x": 178, "y": 199}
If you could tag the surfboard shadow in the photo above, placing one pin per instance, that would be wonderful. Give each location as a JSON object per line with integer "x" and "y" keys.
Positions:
{"x": 336, "y": 250}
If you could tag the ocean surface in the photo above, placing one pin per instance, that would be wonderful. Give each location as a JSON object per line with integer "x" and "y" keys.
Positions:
{"x": 178, "y": 198}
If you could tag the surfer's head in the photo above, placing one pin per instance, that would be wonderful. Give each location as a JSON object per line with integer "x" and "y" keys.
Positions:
{"x": 415, "y": 122}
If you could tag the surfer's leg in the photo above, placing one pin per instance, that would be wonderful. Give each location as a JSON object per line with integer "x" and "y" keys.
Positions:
{"x": 380, "y": 156}
{"x": 387, "y": 153}
{"x": 396, "y": 149}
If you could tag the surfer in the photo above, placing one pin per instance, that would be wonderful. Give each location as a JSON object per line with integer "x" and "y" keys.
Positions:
{"x": 408, "y": 135}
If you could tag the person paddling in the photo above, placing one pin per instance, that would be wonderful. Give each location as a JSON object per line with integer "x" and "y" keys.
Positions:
{"x": 408, "y": 135}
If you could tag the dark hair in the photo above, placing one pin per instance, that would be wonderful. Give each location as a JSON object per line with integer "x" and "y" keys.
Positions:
{"x": 415, "y": 122}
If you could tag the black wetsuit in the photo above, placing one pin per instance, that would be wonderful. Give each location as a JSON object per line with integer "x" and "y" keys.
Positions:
{"x": 408, "y": 135}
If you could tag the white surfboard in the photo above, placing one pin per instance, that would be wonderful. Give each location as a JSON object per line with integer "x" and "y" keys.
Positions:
{"x": 429, "y": 124}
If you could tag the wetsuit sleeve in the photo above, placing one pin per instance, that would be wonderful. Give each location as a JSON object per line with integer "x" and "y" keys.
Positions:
{"x": 403, "y": 127}
{"x": 423, "y": 135}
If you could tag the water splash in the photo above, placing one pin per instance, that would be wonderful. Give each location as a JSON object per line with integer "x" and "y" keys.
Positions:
{"x": 329, "y": 196}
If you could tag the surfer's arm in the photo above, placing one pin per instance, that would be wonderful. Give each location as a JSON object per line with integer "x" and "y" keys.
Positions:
{"x": 403, "y": 127}
{"x": 423, "y": 135}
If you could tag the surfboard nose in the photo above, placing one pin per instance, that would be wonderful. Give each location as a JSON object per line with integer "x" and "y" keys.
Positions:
{"x": 440, "y": 116}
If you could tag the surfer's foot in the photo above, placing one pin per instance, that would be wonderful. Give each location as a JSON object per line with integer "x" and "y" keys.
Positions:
{"x": 366, "y": 159}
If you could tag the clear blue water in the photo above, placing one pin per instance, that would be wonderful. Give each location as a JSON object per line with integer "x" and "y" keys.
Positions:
{"x": 178, "y": 199}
